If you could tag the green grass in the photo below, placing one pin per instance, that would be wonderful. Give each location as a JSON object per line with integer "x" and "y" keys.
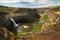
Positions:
{"x": 38, "y": 26}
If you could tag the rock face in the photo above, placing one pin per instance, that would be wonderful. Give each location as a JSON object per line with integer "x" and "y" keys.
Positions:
{"x": 6, "y": 35}
{"x": 49, "y": 31}
{"x": 21, "y": 19}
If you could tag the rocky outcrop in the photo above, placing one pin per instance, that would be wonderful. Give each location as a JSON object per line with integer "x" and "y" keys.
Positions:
{"x": 49, "y": 31}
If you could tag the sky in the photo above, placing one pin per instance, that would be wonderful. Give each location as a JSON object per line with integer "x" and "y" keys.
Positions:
{"x": 29, "y": 3}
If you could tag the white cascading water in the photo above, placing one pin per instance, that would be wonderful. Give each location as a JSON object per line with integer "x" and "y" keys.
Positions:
{"x": 14, "y": 22}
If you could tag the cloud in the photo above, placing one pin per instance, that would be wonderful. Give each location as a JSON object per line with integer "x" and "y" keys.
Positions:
{"x": 14, "y": 1}
{"x": 43, "y": 1}
{"x": 9, "y": 1}
{"x": 29, "y": 3}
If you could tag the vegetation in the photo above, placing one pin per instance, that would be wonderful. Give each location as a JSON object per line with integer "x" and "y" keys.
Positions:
{"x": 37, "y": 25}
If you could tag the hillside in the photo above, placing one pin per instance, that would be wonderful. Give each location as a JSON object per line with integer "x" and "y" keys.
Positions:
{"x": 48, "y": 27}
